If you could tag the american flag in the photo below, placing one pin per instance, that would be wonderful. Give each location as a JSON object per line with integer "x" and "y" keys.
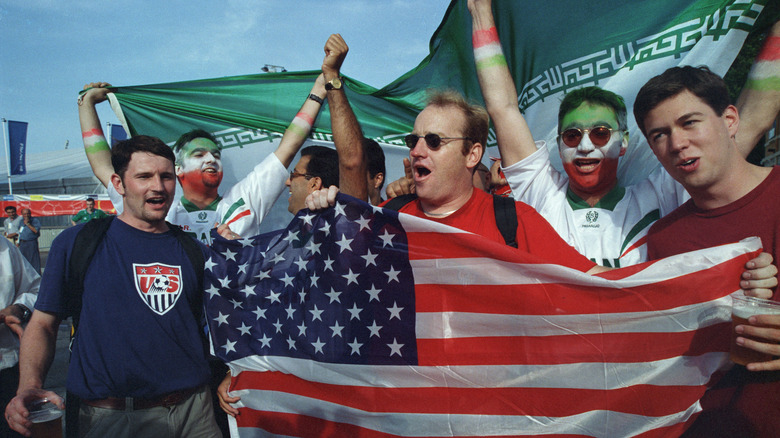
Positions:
{"x": 364, "y": 322}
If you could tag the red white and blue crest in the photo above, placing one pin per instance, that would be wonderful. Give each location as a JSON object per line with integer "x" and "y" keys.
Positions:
{"x": 158, "y": 285}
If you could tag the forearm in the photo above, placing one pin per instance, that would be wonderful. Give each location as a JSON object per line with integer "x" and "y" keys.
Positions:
{"x": 348, "y": 139}
{"x": 513, "y": 136}
{"x": 37, "y": 350}
{"x": 301, "y": 126}
{"x": 759, "y": 101}
{"x": 95, "y": 144}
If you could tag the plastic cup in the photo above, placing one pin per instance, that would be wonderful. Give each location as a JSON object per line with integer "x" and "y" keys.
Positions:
{"x": 46, "y": 421}
{"x": 742, "y": 308}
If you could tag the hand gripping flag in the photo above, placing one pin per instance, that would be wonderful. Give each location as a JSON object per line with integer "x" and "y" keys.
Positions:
{"x": 365, "y": 322}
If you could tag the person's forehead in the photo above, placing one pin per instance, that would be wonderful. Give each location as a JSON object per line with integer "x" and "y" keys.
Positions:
{"x": 588, "y": 115}
{"x": 199, "y": 143}
{"x": 148, "y": 162}
{"x": 445, "y": 120}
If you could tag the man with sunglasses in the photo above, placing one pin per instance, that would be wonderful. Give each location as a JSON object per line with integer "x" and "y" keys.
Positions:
{"x": 604, "y": 221}
{"x": 444, "y": 149}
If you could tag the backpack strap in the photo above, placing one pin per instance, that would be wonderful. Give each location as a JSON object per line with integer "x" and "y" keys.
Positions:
{"x": 506, "y": 218}
{"x": 398, "y": 202}
{"x": 84, "y": 247}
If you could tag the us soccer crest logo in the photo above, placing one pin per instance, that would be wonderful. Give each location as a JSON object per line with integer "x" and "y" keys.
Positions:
{"x": 158, "y": 285}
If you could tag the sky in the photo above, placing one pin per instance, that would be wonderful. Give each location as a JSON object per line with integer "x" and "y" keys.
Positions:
{"x": 49, "y": 49}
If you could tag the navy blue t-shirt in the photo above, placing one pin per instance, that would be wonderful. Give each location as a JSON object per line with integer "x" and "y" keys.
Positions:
{"x": 137, "y": 335}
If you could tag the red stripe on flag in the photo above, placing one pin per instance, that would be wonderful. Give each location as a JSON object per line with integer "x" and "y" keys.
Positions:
{"x": 239, "y": 216}
{"x": 551, "y": 350}
{"x": 655, "y": 401}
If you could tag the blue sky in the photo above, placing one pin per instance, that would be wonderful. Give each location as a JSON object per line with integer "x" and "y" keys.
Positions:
{"x": 51, "y": 48}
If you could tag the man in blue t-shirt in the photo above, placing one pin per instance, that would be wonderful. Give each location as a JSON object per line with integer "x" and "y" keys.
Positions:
{"x": 138, "y": 362}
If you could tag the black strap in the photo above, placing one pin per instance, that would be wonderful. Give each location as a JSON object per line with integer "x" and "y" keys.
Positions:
{"x": 506, "y": 218}
{"x": 504, "y": 208}
{"x": 398, "y": 202}
{"x": 84, "y": 247}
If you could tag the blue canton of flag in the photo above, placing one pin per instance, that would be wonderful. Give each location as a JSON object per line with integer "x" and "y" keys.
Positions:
{"x": 332, "y": 287}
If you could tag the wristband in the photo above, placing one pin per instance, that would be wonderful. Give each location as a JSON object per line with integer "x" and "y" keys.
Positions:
{"x": 487, "y": 48}
{"x": 316, "y": 98}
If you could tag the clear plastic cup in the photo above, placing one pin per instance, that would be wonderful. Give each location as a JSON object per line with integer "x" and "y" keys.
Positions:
{"x": 742, "y": 308}
{"x": 46, "y": 420}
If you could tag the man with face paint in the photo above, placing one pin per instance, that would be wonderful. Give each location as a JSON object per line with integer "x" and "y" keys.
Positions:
{"x": 199, "y": 170}
{"x": 586, "y": 206}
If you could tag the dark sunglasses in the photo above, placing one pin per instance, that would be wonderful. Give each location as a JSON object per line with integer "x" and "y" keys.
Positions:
{"x": 432, "y": 140}
{"x": 599, "y": 136}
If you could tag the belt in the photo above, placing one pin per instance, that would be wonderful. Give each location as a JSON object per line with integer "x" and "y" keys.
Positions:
{"x": 139, "y": 403}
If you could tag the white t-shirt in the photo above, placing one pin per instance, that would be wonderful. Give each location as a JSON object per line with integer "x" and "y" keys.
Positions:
{"x": 243, "y": 207}
{"x": 613, "y": 233}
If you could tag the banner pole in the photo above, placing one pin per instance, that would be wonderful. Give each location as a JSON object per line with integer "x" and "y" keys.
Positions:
{"x": 110, "y": 140}
{"x": 6, "y": 149}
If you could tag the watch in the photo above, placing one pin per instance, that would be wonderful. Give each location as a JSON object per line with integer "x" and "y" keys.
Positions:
{"x": 334, "y": 84}
{"x": 26, "y": 313}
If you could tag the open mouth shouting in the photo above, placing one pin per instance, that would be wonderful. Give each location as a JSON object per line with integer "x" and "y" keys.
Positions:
{"x": 421, "y": 172}
{"x": 586, "y": 165}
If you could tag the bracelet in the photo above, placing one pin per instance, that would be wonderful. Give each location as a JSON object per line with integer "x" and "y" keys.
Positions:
{"x": 316, "y": 98}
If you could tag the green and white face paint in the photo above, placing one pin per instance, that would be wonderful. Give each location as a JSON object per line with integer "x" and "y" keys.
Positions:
{"x": 199, "y": 166}
{"x": 592, "y": 169}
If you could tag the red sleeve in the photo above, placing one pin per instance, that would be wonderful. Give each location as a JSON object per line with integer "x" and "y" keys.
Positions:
{"x": 542, "y": 240}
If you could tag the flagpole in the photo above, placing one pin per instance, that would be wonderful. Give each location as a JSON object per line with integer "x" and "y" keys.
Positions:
{"x": 110, "y": 140}
{"x": 6, "y": 149}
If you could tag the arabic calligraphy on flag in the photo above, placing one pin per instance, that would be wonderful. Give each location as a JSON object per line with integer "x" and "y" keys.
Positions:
{"x": 363, "y": 322}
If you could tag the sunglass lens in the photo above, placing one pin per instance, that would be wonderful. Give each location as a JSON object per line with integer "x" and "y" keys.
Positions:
{"x": 600, "y": 136}
{"x": 571, "y": 137}
{"x": 411, "y": 140}
{"x": 433, "y": 141}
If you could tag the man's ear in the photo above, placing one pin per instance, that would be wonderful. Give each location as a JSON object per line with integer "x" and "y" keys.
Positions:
{"x": 178, "y": 170}
{"x": 116, "y": 181}
{"x": 474, "y": 155}
{"x": 315, "y": 183}
{"x": 379, "y": 179}
{"x": 731, "y": 117}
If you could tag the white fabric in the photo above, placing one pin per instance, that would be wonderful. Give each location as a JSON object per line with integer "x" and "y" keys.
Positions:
{"x": 252, "y": 198}
{"x": 601, "y": 234}
{"x": 18, "y": 285}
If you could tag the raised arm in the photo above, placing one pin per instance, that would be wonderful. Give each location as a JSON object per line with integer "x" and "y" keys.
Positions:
{"x": 299, "y": 129}
{"x": 95, "y": 144}
{"x": 347, "y": 135}
{"x": 759, "y": 102}
{"x": 515, "y": 141}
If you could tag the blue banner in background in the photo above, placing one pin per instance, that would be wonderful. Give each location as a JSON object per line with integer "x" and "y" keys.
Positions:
{"x": 117, "y": 134}
{"x": 17, "y": 142}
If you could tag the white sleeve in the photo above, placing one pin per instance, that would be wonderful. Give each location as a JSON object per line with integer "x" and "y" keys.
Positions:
{"x": 115, "y": 199}
{"x": 533, "y": 179}
{"x": 669, "y": 192}
{"x": 25, "y": 281}
{"x": 247, "y": 203}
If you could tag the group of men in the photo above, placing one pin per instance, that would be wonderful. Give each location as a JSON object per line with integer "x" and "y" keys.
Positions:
{"x": 23, "y": 231}
{"x": 157, "y": 381}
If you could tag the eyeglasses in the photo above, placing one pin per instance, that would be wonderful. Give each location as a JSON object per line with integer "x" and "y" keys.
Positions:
{"x": 599, "y": 136}
{"x": 294, "y": 174}
{"x": 434, "y": 141}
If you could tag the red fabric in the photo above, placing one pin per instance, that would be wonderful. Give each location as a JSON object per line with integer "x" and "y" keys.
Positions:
{"x": 534, "y": 234}
{"x": 743, "y": 403}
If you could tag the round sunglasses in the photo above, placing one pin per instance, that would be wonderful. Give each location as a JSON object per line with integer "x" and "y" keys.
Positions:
{"x": 599, "y": 136}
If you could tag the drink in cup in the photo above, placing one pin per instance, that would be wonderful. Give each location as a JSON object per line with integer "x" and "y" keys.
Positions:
{"x": 46, "y": 420}
{"x": 743, "y": 307}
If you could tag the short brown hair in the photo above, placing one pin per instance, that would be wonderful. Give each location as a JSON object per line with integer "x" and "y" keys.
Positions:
{"x": 477, "y": 120}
